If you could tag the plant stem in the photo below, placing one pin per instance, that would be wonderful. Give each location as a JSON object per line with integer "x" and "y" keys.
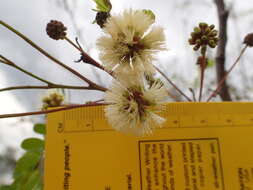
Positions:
{"x": 10, "y": 63}
{"x": 50, "y": 111}
{"x": 202, "y": 74}
{"x": 92, "y": 84}
{"x": 47, "y": 87}
{"x": 193, "y": 94}
{"x": 219, "y": 86}
{"x": 175, "y": 86}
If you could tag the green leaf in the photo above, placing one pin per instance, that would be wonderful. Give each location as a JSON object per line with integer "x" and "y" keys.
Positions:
{"x": 103, "y": 5}
{"x": 33, "y": 182}
{"x": 6, "y": 187}
{"x": 27, "y": 163}
{"x": 149, "y": 13}
{"x": 40, "y": 128}
{"x": 33, "y": 144}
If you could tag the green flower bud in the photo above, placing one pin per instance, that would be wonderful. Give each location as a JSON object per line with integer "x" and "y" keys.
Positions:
{"x": 193, "y": 35}
{"x": 191, "y": 42}
{"x": 196, "y": 47}
{"x": 207, "y": 30}
{"x": 197, "y": 30}
{"x": 213, "y": 33}
{"x": 203, "y": 25}
{"x": 198, "y": 41}
{"x": 204, "y": 38}
{"x": 211, "y": 43}
{"x": 211, "y": 26}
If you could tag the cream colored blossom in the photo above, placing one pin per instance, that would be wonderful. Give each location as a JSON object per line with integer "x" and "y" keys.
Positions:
{"x": 135, "y": 109}
{"x": 130, "y": 42}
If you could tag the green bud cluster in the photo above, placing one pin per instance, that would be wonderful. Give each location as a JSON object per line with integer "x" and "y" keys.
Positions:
{"x": 203, "y": 36}
{"x": 52, "y": 100}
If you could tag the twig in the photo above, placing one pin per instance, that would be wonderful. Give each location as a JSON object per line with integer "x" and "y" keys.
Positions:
{"x": 92, "y": 84}
{"x": 12, "y": 64}
{"x": 50, "y": 111}
{"x": 175, "y": 86}
{"x": 202, "y": 74}
{"x": 47, "y": 87}
{"x": 193, "y": 94}
{"x": 50, "y": 85}
{"x": 223, "y": 14}
{"x": 219, "y": 86}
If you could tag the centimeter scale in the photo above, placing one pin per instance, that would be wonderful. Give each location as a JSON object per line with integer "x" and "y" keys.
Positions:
{"x": 201, "y": 146}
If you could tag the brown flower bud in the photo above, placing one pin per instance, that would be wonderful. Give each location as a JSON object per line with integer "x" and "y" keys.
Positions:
{"x": 56, "y": 30}
{"x": 248, "y": 40}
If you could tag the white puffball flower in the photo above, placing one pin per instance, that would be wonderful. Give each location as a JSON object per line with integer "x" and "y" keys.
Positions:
{"x": 135, "y": 109}
{"x": 130, "y": 43}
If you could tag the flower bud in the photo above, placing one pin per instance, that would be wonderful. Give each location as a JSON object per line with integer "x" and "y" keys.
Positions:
{"x": 56, "y": 30}
{"x": 248, "y": 40}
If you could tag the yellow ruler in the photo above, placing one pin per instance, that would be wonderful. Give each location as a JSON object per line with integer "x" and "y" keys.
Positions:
{"x": 202, "y": 146}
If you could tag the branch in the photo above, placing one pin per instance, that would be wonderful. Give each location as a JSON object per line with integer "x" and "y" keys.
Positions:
{"x": 50, "y": 111}
{"x": 50, "y": 85}
{"x": 175, "y": 86}
{"x": 217, "y": 90}
{"x": 223, "y": 14}
{"x": 91, "y": 84}
{"x": 47, "y": 87}
{"x": 12, "y": 64}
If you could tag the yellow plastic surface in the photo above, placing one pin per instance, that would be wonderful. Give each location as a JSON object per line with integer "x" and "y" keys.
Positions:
{"x": 202, "y": 146}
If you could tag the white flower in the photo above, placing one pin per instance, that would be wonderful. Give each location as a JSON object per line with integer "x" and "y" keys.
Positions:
{"x": 130, "y": 43}
{"x": 135, "y": 109}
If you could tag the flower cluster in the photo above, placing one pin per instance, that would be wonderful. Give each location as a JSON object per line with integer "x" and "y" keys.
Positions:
{"x": 204, "y": 35}
{"x": 135, "y": 109}
{"x": 53, "y": 99}
{"x": 128, "y": 49}
{"x": 130, "y": 42}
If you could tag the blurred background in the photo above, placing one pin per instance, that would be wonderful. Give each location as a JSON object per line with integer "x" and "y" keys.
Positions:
{"x": 179, "y": 63}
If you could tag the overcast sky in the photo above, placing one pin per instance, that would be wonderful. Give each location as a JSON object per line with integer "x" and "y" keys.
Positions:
{"x": 30, "y": 17}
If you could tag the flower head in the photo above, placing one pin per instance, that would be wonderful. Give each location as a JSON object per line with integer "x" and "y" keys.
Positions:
{"x": 53, "y": 99}
{"x": 134, "y": 109}
{"x": 130, "y": 43}
{"x": 204, "y": 35}
{"x": 56, "y": 30}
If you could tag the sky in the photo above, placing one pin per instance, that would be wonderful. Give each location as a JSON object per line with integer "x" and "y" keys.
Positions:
{"x": 30, "y": 17}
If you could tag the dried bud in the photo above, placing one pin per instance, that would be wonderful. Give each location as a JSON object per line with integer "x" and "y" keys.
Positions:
{"x": 248, "y": 40}
{"x": 101, "y": 18}
{"x": 56, "y": 30}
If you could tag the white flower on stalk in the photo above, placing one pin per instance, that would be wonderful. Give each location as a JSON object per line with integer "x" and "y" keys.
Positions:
{"x": 130, "y": 42}
{"x": 135, "y": 109}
